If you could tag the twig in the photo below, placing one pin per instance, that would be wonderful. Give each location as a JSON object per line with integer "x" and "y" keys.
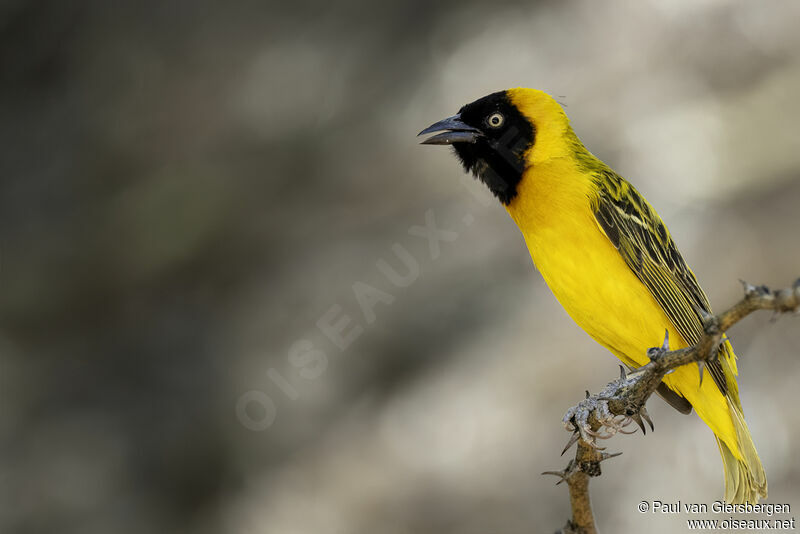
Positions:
{"x": 623, "y": 400}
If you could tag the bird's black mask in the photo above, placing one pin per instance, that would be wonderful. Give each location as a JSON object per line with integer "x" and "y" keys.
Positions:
{"x": 490, "y": 137}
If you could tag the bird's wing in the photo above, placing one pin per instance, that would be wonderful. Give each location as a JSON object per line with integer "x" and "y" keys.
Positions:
{"x": 637, "y": 231}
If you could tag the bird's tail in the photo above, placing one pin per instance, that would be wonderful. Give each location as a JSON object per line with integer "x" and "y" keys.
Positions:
{"x": 745, "y": 480}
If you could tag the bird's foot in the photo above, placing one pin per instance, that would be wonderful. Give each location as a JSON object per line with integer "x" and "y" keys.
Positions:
{"x": 592, "y": 418}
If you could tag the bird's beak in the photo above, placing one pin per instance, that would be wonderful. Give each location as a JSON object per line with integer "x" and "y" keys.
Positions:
{"x": 456, "y": 131}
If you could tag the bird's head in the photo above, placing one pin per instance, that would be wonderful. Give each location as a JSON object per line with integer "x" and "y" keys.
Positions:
{"x": 499, "y": 136}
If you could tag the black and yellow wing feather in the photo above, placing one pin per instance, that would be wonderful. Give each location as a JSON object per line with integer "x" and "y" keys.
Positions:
{"x": 645, "y": 244}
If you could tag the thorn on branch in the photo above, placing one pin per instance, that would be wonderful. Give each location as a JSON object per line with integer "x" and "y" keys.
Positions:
{"x": 607, "y": 456}
{"x": 590, "y": 467}
{"x": 575, "y": 436}
{"x": 564, "y": 474}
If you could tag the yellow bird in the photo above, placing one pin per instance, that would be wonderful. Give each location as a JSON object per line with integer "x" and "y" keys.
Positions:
{"x": 605, "y": 254}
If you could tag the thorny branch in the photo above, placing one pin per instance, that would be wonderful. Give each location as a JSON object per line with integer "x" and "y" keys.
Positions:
{"x": 623, "y": 400}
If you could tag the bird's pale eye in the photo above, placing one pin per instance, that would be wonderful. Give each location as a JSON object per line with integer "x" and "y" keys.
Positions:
{"x": 495, "y": 120}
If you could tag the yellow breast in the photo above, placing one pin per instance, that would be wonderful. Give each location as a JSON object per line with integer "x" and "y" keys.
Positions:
{"x": 581, "y": 266}
{"x": 596, "y": 287}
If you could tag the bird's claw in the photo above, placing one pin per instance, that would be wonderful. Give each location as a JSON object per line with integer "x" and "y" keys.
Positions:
{"x": 655, "y": 353}
{"x": 594, "y": 409}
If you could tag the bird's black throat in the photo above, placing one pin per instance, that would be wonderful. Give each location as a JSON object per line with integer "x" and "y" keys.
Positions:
{"x": 497, "y": 158}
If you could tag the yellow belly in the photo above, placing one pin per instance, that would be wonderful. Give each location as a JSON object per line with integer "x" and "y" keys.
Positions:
{"x": 596, "y": 287}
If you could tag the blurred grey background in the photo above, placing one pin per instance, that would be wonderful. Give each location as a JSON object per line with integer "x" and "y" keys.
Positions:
{"x": 188, "y": 187}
